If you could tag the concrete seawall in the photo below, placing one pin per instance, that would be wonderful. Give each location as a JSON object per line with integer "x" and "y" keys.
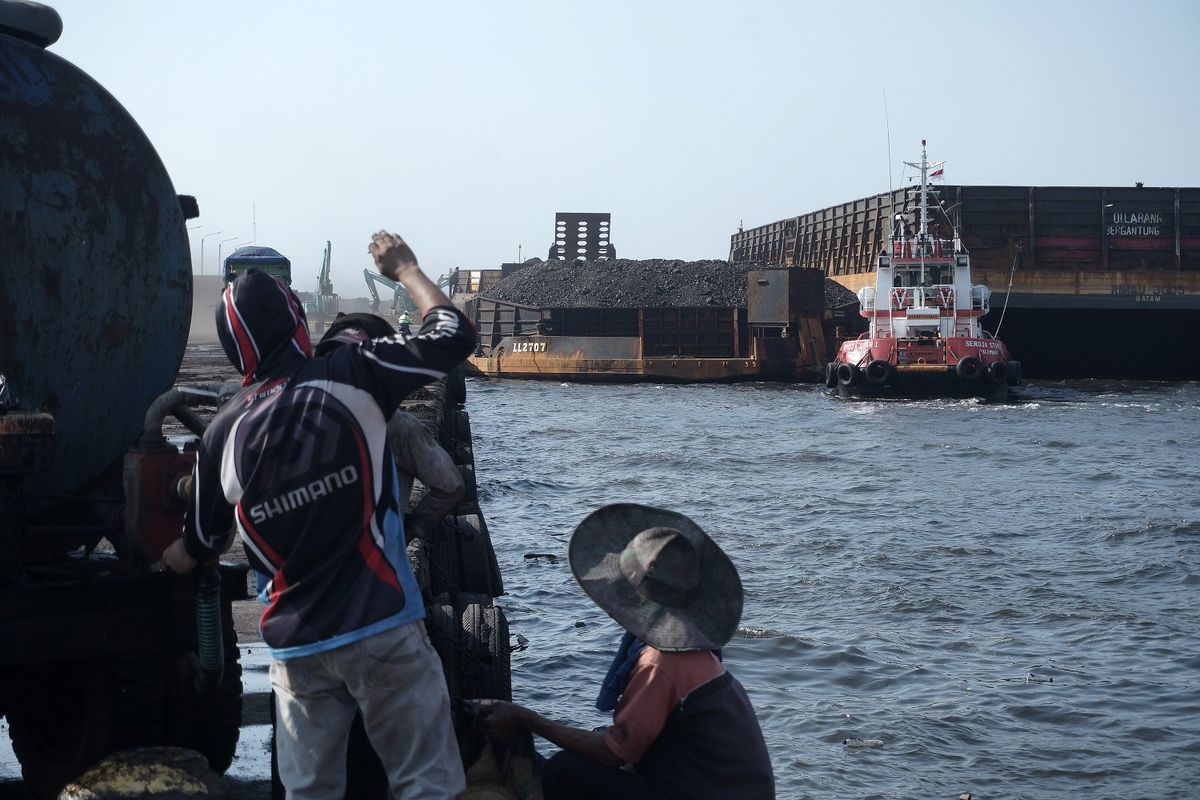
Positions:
{"x": 206, "y": 292}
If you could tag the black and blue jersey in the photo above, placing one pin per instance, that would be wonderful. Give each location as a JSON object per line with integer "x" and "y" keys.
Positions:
{"x": 298, "y": 463}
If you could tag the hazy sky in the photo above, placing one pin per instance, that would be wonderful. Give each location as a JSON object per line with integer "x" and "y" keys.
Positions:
{"x": 465, "y": 126}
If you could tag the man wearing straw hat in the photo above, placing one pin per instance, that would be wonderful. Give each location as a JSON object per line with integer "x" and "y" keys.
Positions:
{"x": 683, "y": 726}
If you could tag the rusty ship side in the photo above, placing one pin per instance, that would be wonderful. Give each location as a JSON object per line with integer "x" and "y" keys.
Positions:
{"x": 777, "y": 336}
{"x": 584, "y": 315}
{"x": 1086, "y": 281}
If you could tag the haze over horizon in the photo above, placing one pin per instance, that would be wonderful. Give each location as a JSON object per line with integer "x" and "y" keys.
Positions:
{"x": 465, "y": 127}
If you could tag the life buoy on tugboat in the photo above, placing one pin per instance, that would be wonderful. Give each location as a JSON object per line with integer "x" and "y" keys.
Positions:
{"x": 846, "y": 373}
{"x": 969, "y": 368}
{"x": 878, "y": 371}
{"x": 998, "y": 372}
{"x": 831, "y": 374}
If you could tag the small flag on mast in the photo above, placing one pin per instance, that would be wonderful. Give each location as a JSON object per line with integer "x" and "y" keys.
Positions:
{"x": 939, "y": 170}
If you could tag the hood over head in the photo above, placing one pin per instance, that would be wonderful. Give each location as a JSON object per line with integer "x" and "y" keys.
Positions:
{"x": 262, "y": 327}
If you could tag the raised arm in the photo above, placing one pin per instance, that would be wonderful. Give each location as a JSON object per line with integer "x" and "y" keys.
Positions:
{"x": 445, "y": 339}
{"x": 395, "y": 259}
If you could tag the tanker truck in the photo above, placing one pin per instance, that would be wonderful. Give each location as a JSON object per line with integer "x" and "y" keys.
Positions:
{"x": 99, "y": 651}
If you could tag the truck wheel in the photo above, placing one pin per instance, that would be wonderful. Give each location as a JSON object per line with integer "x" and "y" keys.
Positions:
{"x": 154, "y": 702}
{"x": 213, "y": 721}
{"x": 59, "y": 725}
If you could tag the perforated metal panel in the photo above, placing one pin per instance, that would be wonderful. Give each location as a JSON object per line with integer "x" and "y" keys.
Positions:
{"x": 582, "y": 237}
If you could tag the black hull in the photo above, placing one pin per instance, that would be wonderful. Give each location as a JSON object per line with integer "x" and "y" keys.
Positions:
{"x": 1149, "y": 344}
{"x": 923, "y": 386}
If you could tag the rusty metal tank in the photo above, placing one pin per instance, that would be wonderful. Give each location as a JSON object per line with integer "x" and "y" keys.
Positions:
{"x": 95, "y": 268}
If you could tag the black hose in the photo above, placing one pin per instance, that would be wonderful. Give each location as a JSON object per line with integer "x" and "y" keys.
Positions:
{"x": 190, "y": 419}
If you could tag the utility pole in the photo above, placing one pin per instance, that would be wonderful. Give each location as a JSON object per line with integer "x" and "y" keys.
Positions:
{"x": 202, "y": 238}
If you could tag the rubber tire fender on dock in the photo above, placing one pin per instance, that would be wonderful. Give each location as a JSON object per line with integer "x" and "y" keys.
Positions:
{"x": 471, "y": 638}
{"x": 467, "y": 471}
{"x": 487, "y": 670}
{"x": 878, "y": 371}
{"x": 846, "y": 374}
{"x": 461, "y": 446}
{"x": 998, "y": 372}
{"x": 969, "y": 368}
{"x": 463, "y": 559}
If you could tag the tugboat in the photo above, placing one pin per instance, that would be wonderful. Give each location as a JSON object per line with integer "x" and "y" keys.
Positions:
{"x": 924, "y": 337}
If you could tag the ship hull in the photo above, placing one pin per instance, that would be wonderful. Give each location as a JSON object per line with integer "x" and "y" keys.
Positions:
{"x": 923, "y": 385}
{"x": 1104, "y": 343}
{"x": 958, "y": 367}
{"x": 637, "y": 370}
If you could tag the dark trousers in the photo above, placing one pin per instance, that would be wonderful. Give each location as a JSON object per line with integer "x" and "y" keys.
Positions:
{"x": 569, "y": 776}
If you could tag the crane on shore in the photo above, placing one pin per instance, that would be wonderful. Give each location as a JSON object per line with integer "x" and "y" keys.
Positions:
{"x": 326, "y": 305}
{"x": 401, "y": 302}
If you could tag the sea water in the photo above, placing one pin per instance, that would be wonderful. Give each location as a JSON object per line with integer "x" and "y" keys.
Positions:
{"x": 940, "y": 596}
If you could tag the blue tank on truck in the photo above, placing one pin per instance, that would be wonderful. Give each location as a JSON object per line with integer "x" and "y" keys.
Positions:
{"x": 99, "y": 650}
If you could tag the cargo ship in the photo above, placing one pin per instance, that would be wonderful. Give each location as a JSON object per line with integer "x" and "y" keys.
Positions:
{"x": 924, "y": 336}
{"x": 1100, "y": 282}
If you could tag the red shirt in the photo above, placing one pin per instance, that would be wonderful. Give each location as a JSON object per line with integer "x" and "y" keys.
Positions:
{"x": 658, "y": 683}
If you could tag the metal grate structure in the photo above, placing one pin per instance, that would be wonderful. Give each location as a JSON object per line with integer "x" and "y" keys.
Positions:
{"x": 581, "y": 237}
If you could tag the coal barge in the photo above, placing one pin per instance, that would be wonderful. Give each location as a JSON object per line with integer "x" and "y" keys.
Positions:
{"x": 593, "y": 317}
{"x": 1099, "y": 282}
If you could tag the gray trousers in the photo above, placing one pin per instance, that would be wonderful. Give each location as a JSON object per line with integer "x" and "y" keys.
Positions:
{"x": 396, "y": 680}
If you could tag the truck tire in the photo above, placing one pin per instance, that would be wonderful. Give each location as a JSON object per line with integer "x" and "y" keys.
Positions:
{"x": 211, "y": 723}
{"x": 155, "y": 702}
{"x": 59, "y": 725}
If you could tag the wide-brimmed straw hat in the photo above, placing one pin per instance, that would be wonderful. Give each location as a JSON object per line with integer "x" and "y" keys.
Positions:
{"x": 658, "y": 575}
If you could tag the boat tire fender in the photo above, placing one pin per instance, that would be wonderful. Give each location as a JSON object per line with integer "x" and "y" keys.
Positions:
{"x": 969, "y": 368}
{"x": 878, "y": 371}
{"x": 1014, "y": 373}
{"x": 998, "y": 372}
{"x": 831, "y": 374}
{"x": 846, "y": 374}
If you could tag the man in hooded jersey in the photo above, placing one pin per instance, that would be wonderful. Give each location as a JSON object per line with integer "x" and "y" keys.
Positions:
{"x": 298, "y": 460}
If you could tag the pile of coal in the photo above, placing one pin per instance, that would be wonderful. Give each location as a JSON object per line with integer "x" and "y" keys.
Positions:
{"x": 837, "y": 295}
{"x": 628, "y": 283}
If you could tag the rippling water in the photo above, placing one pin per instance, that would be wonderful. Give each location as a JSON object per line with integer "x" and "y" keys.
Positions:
{"x": 1007, "y": 596}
